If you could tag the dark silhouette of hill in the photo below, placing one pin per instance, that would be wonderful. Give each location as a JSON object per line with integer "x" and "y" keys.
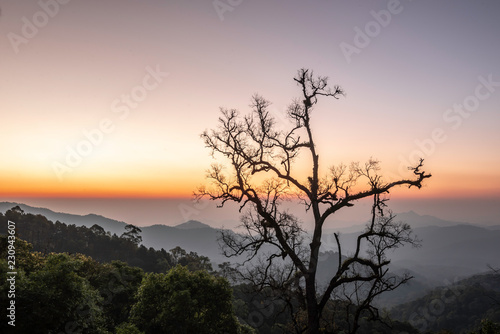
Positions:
{"x": 449, "y": 249}
{"x": 57, "y": 237}
{"x": 191, "y": 225}
{"x": 459, "y": 307}
{"x": 449, "y": 252}
{"x": 193, "y": 236}
{"x": 415, "y": 220}
{"x": 110, "y": 225}
{"x": 412, "y": 218}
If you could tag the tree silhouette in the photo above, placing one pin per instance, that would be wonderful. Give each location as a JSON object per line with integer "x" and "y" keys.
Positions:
{"x": 255, "y": 149}
{"x": 132, "y": 233}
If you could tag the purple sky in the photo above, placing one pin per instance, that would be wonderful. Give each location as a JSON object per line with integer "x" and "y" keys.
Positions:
{"x": 422, "y": 79}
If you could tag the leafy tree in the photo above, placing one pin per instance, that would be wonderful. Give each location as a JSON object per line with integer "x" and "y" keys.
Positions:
{"x": 177, "y": 254}
{"x": 184, "y": 302}
{"x": 46, "y": 237}
{"x": 127, "y": 328}
{"x": 117, "y": 284}
{"x": 488, "y": 327}
{"x": 97, "y": 230}
{"x": 261, "y": 173}
{"x": 132, "y": 233}
{"x": 68, "y": 293}
{"x": 56, "y": 299}
{"x": 25, "y": 258}
{"x": 191, "y": 260}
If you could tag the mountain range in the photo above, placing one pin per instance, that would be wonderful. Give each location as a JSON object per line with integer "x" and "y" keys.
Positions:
{"x": 449, "y": 250}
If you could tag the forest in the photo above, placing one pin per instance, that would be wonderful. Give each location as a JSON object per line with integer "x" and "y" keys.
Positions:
{"x": 74, "y": 279}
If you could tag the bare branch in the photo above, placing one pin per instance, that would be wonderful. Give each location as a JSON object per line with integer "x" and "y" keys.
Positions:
{"x": 273, "y": 240}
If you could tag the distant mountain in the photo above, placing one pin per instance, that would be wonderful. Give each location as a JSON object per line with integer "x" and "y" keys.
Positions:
{"x": 191, "y": 225}
{"x": 193, "y": 236}
{"x": 415, "y": 220}
{"x": 412, "y": 218}
{"x": 111, "y": 225}
{"x": 449, "y": 250}
{"x": 458, "y": 307}
{"x": 202, "y": 240}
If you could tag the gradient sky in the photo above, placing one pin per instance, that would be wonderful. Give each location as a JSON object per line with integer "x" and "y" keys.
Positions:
{"x": 69, "y": 72}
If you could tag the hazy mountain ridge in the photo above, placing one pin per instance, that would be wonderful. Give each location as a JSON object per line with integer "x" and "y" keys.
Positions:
{"x": 459, "y": 306}
{"x": 446, "y": 252}
{"x": 414, "y": 219}
{"x": 449, "y": 250}
{"x": 111, "y": 225}
{"x": 191, "y": 235}
{"x": 192, "y": 225}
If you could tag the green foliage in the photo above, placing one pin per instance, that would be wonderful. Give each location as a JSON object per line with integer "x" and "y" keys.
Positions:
{"x": 459, "y": 307}
{"x": 62, "y": 292}
{"x": 127, "y": 328}
{"x": 261, "y": 309}
{"x": 488, "y": 327}
{"x": 56, "y": 298}
{"x": 46, "y": 237}
{"x": 184, "y": 302}
{"x": 191, "y": 260}
{"x": 76, "y": 293}
{"x": 117, "y": 284}
{"x": 68, "y": 293}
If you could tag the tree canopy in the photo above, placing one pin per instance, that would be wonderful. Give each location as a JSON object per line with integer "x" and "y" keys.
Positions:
{"x": 184, "y": 302}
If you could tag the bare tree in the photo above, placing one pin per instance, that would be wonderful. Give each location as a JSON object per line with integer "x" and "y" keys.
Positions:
{"x": 254, "y": 148}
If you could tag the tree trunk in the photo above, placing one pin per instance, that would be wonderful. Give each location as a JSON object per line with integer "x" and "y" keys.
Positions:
{"x": 312, "y": 306}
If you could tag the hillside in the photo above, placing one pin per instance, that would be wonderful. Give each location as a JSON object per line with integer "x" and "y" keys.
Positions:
{"x": 49, "y": 237}
{"x": 202, "y": 239}
{"x": 459, "y": 307}
{"x": 449, "y": 250}
{"x": 110, "y": 225}
{"x": 446, "y": 252}
{"x": 192, "y": 236}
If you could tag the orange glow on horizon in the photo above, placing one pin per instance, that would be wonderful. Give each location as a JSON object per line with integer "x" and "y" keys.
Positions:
{"x": 98, "y": 188}
{"x": 181, "y": 183}
{"x": 147, "y": 188}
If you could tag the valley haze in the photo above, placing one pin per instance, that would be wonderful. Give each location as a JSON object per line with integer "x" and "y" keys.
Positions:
{"x": 174, "y": 211}
{"x": 450, "y": 249}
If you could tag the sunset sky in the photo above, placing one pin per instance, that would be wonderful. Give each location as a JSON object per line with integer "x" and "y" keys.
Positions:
{"x": 108, "y": 98}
